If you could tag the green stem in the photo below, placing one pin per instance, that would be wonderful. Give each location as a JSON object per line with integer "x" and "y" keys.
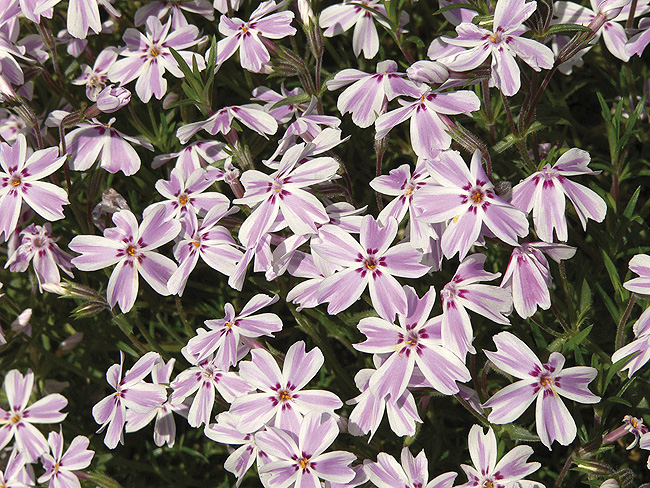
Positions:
{"x": 623, "y": 321}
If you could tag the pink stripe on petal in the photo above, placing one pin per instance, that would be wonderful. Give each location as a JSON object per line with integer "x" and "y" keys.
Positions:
{"x": 123, "y": 286}
{"x": 514, "y": 357}
{"x": 509, "y": 403}
{"x": 483, "y": 449}
{"x": 553, "y": 420}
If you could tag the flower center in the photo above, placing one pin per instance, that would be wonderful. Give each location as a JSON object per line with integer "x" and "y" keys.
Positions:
{"x": 477, "y": 196}
{"x": 284, "y": 395}
{"x": 244, "y": 30}
{"x": 183, "y": 200}
{"x": 39, "y": 242}
{"x": 196, "y": 244}
{"x": 15, "y": 418}
{"x": 229, "y": 325}
{"x": 546, "y": 382}
{"x": 633, "y": 422}
{"x": 370, "y": 263}
{"x": 488, "y": 484}
{"x": 131, "y": 251}
{"x": 15, "y": 180}
{"x": 154, "y": 51}
{"x": 304, "y": 463}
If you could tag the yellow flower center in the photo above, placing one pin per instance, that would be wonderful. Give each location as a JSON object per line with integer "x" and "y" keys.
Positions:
{"x": 488, "y": 484}
{"x": 183, "y": 200}
{"x": 633, "y": 422}
{"x": 131, "y": 251}
{"x": 477, "y": 196}
{"x": 196, "y": 244}
{"x": 409, "y": 191}
{"x": 370, "y": 263}
{"x": 284, "y": 395}
{"x": 546, "y": 382}
{"x": 15, "y": 180}
{"x": 303, "y": 463}
{"x": 244, "y": 30}
{"x": 15, "y": 418}
{"x": 154, "y": 51}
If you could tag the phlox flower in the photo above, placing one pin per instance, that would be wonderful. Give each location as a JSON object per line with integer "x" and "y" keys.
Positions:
{"x": 175, "y": 10}
{"x": 639, "y": 41}
{"x": 639, "y": 347}
{"x": 225, "y": 431}
{"x": 34, "y": 9}
{"x": 369, "y": 94}
{"x": 15, "y": 474}
{"x": 229, "y": 335}
{"x": 466, "y": 200}
{"x": 132, "y": 392}
{"x": 203, "y": 378}
{"x": 60, "y": 467}
{"x": 404, "y": 186}
{"x": 504, "y": 42}
{"x": 94, "y": 140}
{"x": 544, "y": 382}
{"x": 17, "y": 421}
{"x": 408, "y": 344}
{"x": 465, "y": 292}
{"x": 19, "y": 182}
{"x": 223, "y": 5}
{"x": 298, "y": 459}
{"x": 147, "y": 57}
{"x": 631, "y": 425}
{"x": 429, "y": 121}
{"x": 95, "y": 78}
{"x": 283, "y": 402}
{"x": 248, "y": 36}
{"x": 544, "y": 193}
{"x": 413, "y": 472}
{"x": 132, "y": 248}
{"x": 639, "y": 264}
{"x": 84, "y": 15}
{"x": 283, "y": 193}
{"x": 369, "y": 263}
{"x": 341, "y": 17}
{"x": 251, "y": 115}
{"x": 164, "y": 430}
{"x": 528, "y": 275}
{"x": 207, "y": 240}
{"x": 111, "y": 99}
{"x": 509, "y": 472}
{"x": 369, "y": 410}
{"x": 39, "y": 245}
{"x": 303, "y": 265}
{"x": 186, "y": 194}
{"x": 199, "y": 154}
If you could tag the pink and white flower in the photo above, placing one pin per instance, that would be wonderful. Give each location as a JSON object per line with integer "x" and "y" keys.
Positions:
{"x": 248, "y": 36}
{"x": 95, "y": 78}
{"x": 299, "y": 458}
{"x": 283, "y": 401}
{"x": 132, "y": 392}
{"x": 39, "y": 244}
{"x": 369, "y": 263}
{"x": 510, "y": 471}
{"x": 544, "y": 382}
{"x": 19, "y": 183}
{"x": 408, "y": 344}
{"x": 504, "y": 42}
{"x": 17, "y": 421}
{"x": 61, "y": 467}
{"x": 412, "y": 473}
{"x": 147, "y": 57}
{"x": 132, "y": 248}
{"x": 544, "y": 193}
{"x": 466, "y": 200}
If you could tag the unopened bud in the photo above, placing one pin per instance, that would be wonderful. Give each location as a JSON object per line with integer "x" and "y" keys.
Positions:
{"x": 90, "y": 309}
{"x": 427, "y": 72}
{"x": 70, "y": 343}
{"x": 7, "y": 93}
{"x": 112, "y": 98}
{"x": 612, "y": 8}
{"x": 610, "y": 483}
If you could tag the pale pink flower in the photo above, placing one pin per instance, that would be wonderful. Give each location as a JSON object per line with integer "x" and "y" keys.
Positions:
{"x": 61, "y": 468}
{"x": 95, "y": 78}
{"x": 248, "y": 36}
{"x": 19, "y": 183}
{"x": 412, "y": 473}
{"x": 544, "y": 382}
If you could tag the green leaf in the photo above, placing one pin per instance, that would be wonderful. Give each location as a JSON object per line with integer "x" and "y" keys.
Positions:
{"x": 619, "y": 400}
{"x": 614, "y": 277}
{"x": 631, "y": 205}
{"x": 416, "y": 40}
{"x": 563, "y": 28}
{"x": 518, "y": 433}
{"x": 577, "y": 339}
{"x": 616, "y": 367}
{"x": 609, "y": 303}
{"x": 293, "y": 100}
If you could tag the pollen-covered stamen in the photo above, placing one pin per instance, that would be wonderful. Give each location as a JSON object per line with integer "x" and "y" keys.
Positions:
{"x": 488, "y": 484}
{"x": 304, "y": 463}
{"x": 154, "y": 51}
{"x": 284, "y": 395}
{"x": 15, "y": 418}
{"x": 477, "y": 196}
{"x": 183, "y": 200}
{"x": 15, "y": 180}
{"x": 196, "y": 244}
{"x": 132, "y": 251}
{"x": 547, "y": 382}
{"x": 370, "y": 263}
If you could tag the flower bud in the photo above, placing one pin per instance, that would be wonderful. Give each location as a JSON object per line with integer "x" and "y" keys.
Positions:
{"x": 111, "y": 99}
{"x": 427, "y": 72}
{"x": 612, "y": 8}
